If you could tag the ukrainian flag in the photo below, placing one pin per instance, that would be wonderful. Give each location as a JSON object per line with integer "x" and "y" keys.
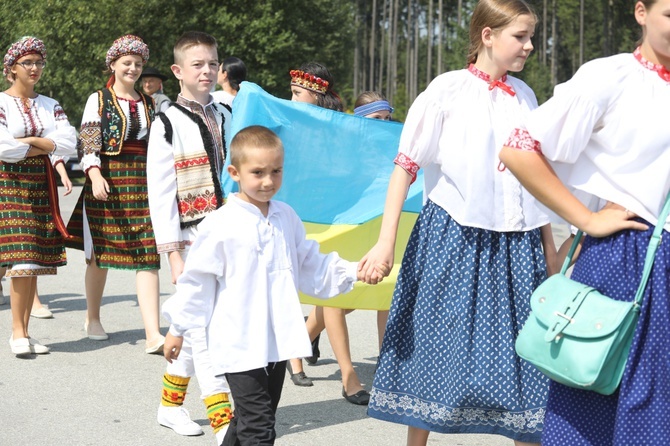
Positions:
{"x": 336, "y": 172}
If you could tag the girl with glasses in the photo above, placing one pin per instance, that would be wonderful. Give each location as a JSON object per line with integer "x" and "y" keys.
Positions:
{"x": 35, "y": 135}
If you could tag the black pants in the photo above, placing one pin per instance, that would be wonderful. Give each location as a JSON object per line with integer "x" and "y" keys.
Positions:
{"x": 256, "y": 395}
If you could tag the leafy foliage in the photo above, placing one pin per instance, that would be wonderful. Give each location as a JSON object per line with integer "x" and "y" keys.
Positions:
{"x": 273, "y": 36}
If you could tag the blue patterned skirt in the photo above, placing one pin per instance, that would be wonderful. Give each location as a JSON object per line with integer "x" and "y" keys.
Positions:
{"x": 447, "y": 362}
{"x": 637, "y": 414}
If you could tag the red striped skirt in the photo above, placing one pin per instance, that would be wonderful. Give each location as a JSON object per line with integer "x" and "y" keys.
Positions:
{"x": 120, "y": 227}
{"x": 29, "y": 233}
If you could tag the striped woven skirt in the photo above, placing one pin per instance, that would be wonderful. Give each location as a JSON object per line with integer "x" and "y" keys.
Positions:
{"x": 119, "y": 228}
{"x": 29, "y": 233}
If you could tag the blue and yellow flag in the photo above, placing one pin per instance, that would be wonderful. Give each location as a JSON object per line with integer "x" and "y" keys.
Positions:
{"x": 336, "y": 172}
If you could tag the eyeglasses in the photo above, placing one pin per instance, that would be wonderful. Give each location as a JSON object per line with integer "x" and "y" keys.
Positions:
{"x": 29, "y": 64}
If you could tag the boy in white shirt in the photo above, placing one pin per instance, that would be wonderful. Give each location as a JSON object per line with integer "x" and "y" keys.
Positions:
{"x": 186, "y": 155}
{"x": 241, "y": 281}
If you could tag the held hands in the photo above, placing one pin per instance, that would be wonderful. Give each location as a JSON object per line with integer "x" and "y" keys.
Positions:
{"x": 172, "y": 347}
{"x": 376, "y": 264}
{"x": 610, "y": 219}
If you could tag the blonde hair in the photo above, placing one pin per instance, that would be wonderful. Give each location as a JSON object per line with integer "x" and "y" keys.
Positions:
{"x": 253, "y": 137}
{"x": 494, "y": 14}
{"x": 190, "y": 39}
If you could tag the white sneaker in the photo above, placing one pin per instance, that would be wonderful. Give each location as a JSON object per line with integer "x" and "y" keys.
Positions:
{"x": 178, "y": 419}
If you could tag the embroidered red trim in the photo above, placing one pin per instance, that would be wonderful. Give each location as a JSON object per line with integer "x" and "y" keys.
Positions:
{"x": 408, "y": 165}
{"x": 520, "y": 139}
{"x": 660, "y": 69}
{"x": 500, "y": 83}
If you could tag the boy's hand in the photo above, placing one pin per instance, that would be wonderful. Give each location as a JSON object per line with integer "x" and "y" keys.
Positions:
{"x": 176, "y": 265}
{"x": 172, "y": 347}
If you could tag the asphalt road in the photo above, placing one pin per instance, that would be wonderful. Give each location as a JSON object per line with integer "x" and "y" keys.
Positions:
{"x": 106, "y": 393}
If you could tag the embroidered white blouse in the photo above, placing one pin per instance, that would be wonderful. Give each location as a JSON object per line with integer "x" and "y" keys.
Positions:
{"x": 162, "y": 176}
{"x": 454, "y": 131}
{"x": 41, "y": 116}
{"x": 91, "y": 132}
{"x": 607, "y": 134}
{"x": 241, "y": 281}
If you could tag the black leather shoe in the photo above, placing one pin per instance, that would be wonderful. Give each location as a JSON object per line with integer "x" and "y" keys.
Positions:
{"x": 299, "y": 379}
{"x": 302, "y": 380}
{"x": 361, "y": 398}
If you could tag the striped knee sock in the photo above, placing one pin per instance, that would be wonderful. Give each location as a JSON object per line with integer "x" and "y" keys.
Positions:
{"x": 174, "y": 390}
{"x": 219, "y": 410}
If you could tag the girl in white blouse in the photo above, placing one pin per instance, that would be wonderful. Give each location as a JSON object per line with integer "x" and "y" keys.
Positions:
{"x": 475, "y": 255}
{"x": 604, "y": 136}
{"x": 32, "y": 127}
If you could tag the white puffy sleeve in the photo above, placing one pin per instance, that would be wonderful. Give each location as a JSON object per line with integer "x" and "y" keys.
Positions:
{"x": 162, "y": 184}
{"x": 564, "y": 125}
{"x": 197, "y": 286}
{"x": 422, "y": 129}
{"x": 320, "y": 275}
{"x": 90, "y": 134}
{"x": 11, "y": 150}
{"x": 63, "y": 135}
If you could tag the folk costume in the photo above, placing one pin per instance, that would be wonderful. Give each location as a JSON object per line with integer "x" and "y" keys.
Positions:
{"x": 605, "y": 132}
{"x": 187, "y": 152}
{"x": 447, "y": 362}
{"x": 113, "y": 138}
{"x": 32, "y": 232}
{"x": 241, "y": 281}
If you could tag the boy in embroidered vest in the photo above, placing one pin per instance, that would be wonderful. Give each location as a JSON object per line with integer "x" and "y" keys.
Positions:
{"x": 246, "y": 266}
{"x": 187, "y": 150}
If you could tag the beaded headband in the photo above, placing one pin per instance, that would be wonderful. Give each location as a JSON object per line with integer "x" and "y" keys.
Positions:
{"x": 24, "y": 46}
{"x": 308, "y": 81}
{"x": 126, "y": 45}
{"x": 373, "y": 107}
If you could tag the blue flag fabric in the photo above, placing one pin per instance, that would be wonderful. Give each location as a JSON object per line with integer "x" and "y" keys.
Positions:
{"x": 336, "y": 166}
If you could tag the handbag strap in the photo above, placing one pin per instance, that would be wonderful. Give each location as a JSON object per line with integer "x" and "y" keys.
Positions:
{"x": 651, "y": 250}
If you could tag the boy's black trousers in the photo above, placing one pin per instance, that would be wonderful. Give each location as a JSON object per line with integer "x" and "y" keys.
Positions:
{"x": 256, "y": 395}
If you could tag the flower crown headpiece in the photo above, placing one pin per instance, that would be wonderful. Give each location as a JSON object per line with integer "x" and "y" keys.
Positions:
{"x": 24, "y": 46}
{"x": 126, "y": 45}
{"x": 309, "y": 81}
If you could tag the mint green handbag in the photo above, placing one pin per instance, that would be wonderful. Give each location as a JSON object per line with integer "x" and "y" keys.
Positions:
{"x": 576, "y": 335}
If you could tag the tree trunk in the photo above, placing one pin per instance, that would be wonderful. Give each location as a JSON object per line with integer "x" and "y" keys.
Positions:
{"x": 415, "y": 59}
{"x": 554, "y": 44}
{"x": 394, "y": 57}
{"x": 543, "y": 56}
{"x": 382, "y": 43}
{"x": 429, "y": 52}
{"x": 408, "y": 51}
{"x": 373, "y": 32}
{"x": 357, "y": 56}
{"x": 440, "y": 34}
{"x": 581, "y": 32}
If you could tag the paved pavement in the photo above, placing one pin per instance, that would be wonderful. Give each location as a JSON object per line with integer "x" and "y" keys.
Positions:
{"x": 106, "y": 393}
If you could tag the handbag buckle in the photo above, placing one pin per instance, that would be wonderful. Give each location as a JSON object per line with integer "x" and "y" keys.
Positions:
{"x": 563, "y": 319}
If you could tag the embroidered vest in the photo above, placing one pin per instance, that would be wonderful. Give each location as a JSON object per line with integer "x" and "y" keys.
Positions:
{"x": 199, "y": 189}
{"x": 113, "y": 121}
